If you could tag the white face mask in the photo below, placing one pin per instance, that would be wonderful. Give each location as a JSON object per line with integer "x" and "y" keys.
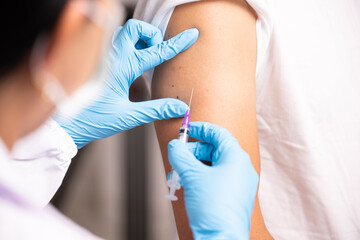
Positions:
{"x": 49, "y": 85}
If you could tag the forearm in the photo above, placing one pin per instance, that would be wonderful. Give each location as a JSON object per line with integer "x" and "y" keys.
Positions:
{"x": 221, "y": 69}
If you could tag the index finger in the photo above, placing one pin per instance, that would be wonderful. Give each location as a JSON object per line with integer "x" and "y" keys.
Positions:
{"x": 211, "y": 133}
{"x": 142, "y": 30}
{"x": 155, "y": 55}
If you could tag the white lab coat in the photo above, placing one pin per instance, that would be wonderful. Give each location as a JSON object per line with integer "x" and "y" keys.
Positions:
{"x": 29, "y": 177}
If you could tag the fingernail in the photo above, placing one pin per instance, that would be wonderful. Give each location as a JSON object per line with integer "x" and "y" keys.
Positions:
{"x": 193, "y": 34}
{"x": 184, "y": 107}
{"x": 193, "y": 31}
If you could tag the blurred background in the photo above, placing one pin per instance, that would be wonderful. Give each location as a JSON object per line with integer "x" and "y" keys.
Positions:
{"x": 115, "y": 187}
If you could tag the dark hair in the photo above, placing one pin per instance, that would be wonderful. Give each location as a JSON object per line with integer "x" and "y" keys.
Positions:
{"x": 21, "y": 22}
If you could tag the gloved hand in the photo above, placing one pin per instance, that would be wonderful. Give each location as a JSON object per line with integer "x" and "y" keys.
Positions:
{"x": 113, "y": 112}
{"x": 219, "y": 199}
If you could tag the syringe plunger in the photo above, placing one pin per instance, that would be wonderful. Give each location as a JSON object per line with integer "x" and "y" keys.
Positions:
{"x": 173, "y": 184}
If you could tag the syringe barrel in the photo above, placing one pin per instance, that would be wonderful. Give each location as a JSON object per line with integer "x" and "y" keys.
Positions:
{"x": 184, "y": 134}
{"x": 173, "y": 177}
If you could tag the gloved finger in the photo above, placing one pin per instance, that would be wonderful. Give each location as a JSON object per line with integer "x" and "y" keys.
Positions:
{"x": 181, "y": 159}
{"x": 137, "y": 30}
{"x": 211, "y": 133}
{"x": 223, "y": 141}
{"x": 166, "y": 108}
{"x": 155, "y": 55}
{"x": 115, "y": 37}
{"x": 116, "y": 33}
{"x": 201, "y": 150}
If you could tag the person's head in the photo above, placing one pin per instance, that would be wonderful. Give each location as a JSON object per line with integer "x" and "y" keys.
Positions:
{"x": 52, "y": 39}
{"x": 73, "y": 40}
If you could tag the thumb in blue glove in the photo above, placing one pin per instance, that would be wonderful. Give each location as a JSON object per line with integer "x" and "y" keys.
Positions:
{"x": 219, "y": 199}
{"x": 136, "y": 47}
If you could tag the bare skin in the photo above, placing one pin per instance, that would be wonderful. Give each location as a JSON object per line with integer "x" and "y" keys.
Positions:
{"x": 220, "y": 67}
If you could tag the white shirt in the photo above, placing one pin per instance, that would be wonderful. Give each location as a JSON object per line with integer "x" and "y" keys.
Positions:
{"x": 29, "y": 177}
{"x": 308, "y": 95}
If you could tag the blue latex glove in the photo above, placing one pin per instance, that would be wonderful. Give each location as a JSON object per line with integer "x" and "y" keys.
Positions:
{"x": 129, "y": 58}
{"x": 219, "y": 199}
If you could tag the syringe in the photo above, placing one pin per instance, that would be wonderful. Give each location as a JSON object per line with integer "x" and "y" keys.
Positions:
{"x": 173, "y": 180}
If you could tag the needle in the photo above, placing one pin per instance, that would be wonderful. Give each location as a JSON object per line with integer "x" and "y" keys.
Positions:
{"x": 192, "y": 91}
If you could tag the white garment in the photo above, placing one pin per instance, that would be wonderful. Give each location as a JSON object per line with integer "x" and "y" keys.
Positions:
{"x": 28, "y": 184}
{"x": 308, "y": 92}
{"x": 42, "y": 159}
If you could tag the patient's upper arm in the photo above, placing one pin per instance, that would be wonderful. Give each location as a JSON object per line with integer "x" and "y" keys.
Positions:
{"x": 220, "y": 67}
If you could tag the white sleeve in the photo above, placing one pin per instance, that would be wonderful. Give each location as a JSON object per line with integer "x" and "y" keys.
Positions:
{"x": 19, "y": 220}
{"x": 40, "y": 160}
{"x": 158, "y": 13}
